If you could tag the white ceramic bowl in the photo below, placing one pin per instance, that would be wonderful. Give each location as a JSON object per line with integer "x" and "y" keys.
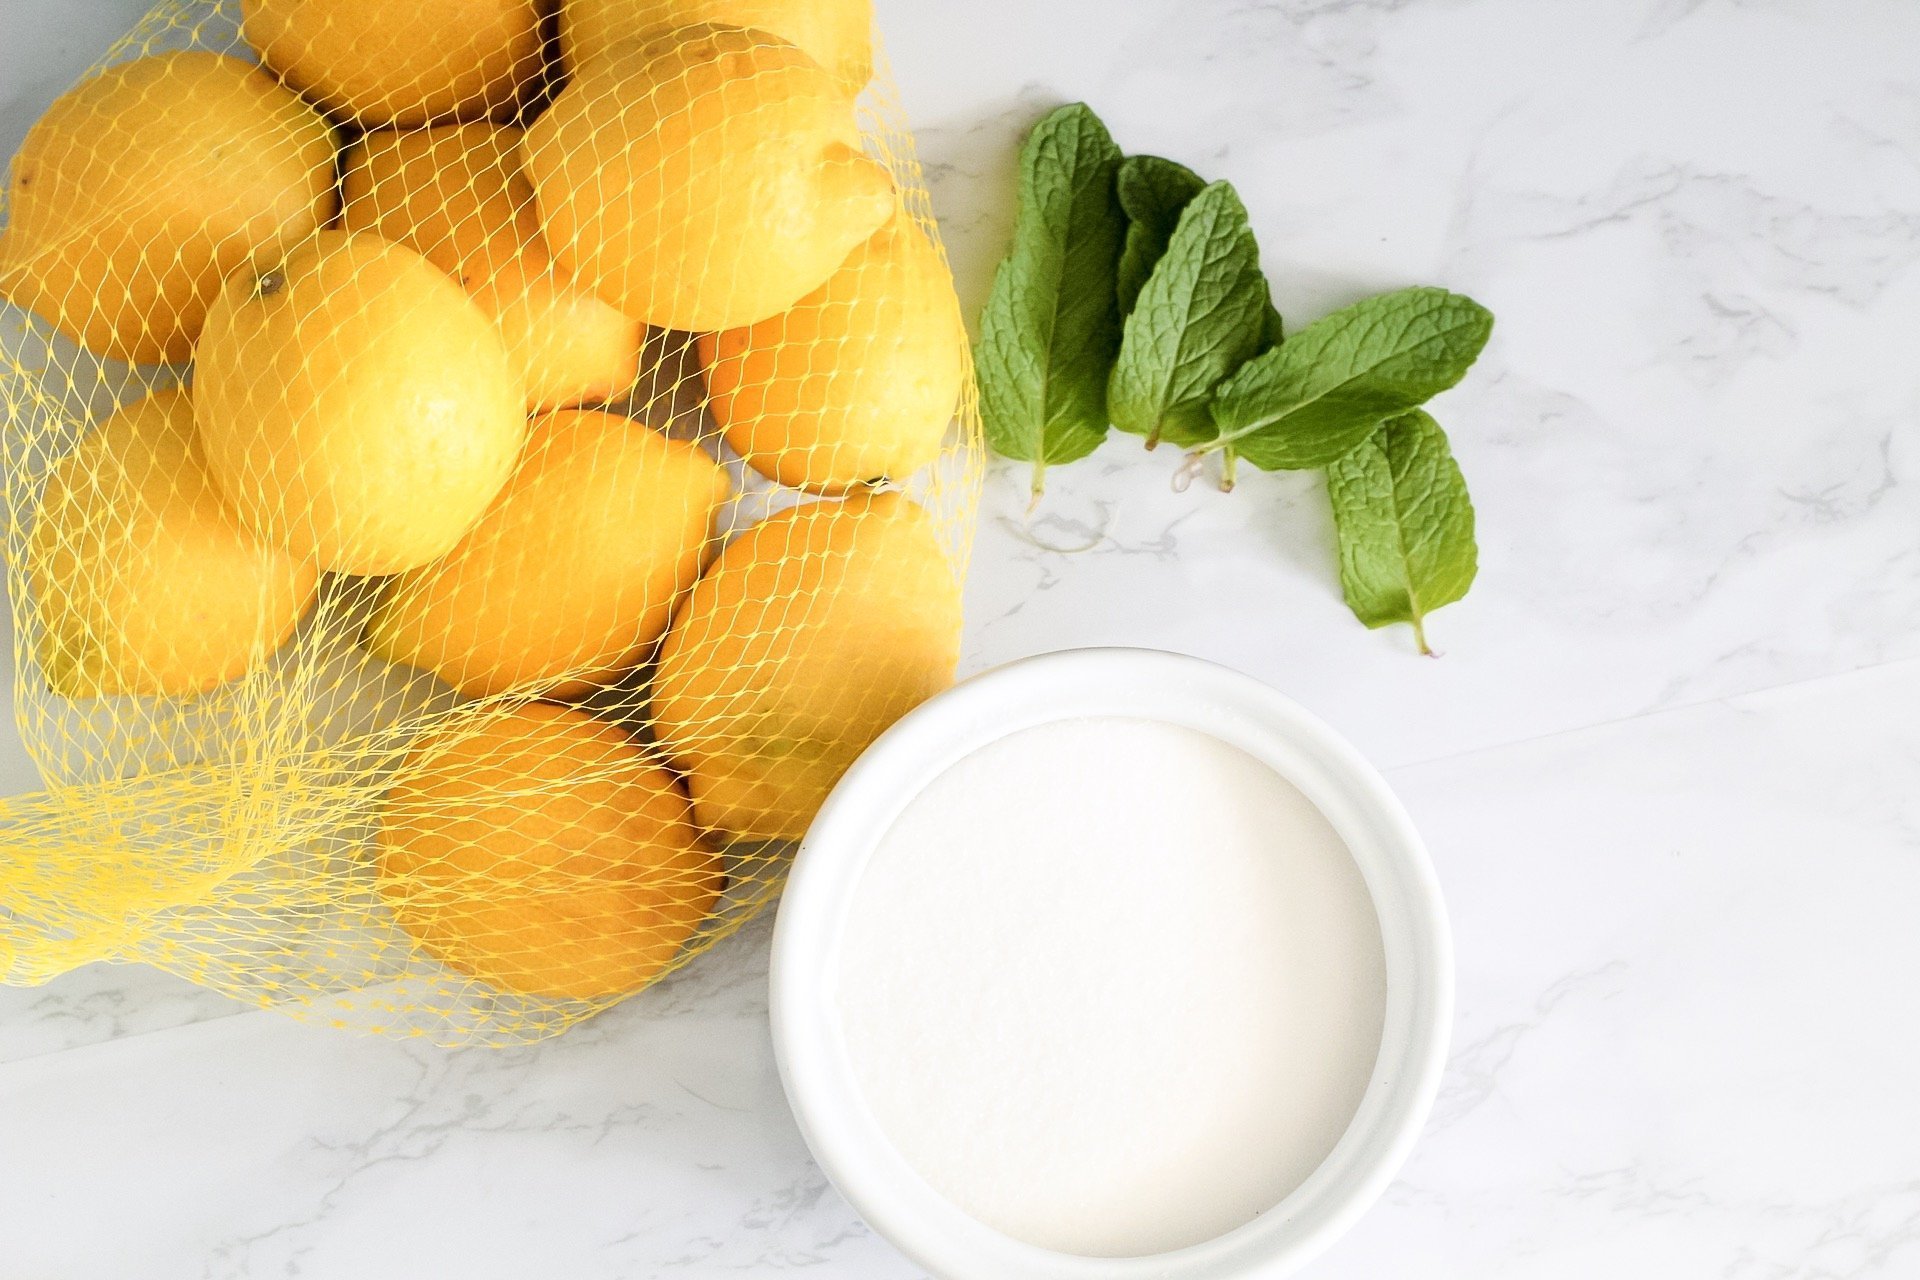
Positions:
{"x": 814, "y": 1066}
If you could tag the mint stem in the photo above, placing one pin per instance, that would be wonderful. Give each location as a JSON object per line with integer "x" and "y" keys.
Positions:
{"x": 1039, "y": 483}
{"x": 1189, "y": 468}
{"x": 1229, "y": 469}
{"x": 1420, "y": 635}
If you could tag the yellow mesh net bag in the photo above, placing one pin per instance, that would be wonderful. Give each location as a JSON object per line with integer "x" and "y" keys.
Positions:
{"x": 475, "y": 476}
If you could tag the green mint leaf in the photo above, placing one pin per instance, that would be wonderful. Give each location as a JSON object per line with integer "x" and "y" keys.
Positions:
{"x": 1201, "y": 315}
{"x": 1404, "y": 523}
{"x": 1319, "y": 394}
{"x": 1152, "y": 192}
{"x": 1273, "y": 328}
{"x": 1051, "y": 326}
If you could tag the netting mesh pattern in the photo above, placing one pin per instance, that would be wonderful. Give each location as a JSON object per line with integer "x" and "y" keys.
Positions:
{"x": 475, "y": 475}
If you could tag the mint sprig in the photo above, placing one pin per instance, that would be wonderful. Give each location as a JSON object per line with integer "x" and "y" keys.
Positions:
{"x": 1404, "y": 523}
{"x": 1051, "y": 326}
{"x": 1133, "y": 296}
{"x": 1200, "y": 317}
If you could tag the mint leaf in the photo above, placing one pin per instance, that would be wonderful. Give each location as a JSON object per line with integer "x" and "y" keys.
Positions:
{"x": 1405, "y": 524}
{"x": 1200, "y": 317}
{"x": 1152, "y": 192}
{"x": 1318, "y": 395}
{"x": 1273, "y": 329}
{"x": 1051, "y": 326}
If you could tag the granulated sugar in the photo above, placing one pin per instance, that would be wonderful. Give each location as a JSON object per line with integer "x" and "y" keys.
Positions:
{"x": 1112, "y": 986}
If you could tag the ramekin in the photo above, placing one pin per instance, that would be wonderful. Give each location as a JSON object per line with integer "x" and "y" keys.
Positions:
{"x": 814, "y": 1065}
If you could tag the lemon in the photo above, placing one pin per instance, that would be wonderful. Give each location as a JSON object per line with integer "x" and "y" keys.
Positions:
{"x": 379, "y": 63}
{"x": 858, "y": 381}
{"x": 355, "y": 405}
{"x": 835, "y": 33}
{"x": 573, "y": 570}
{"x": 705, "y": 177}
{"x": 142, "y": 188}
{"x": 455, "y": 194}
{"x": 542, "y": 852}
{"x": 144, "y": 580}
{"x": 809, "y": 634}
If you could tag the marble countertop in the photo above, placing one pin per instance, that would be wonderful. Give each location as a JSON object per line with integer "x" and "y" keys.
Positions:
{"x": 1666, "y": 766}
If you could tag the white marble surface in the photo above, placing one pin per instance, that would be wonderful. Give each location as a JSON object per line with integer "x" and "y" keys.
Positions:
{"x": 1667, "y": 765}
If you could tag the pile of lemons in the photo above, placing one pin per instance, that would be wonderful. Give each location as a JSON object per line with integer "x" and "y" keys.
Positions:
{"x": 406, "y": 254}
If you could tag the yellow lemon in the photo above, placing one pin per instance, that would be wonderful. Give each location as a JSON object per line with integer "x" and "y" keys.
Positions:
{"x": 808, "y": 635}
{"x": 705, "y": 177}
{"x": 142, "y": 188}
{"x": 455, "y": 193}
{"x": 571, "y": 573}
{"x": 542, "y": 852}
{"x": 144, "y": 580}
{"x": 858, "y": 382}
{"x": 355, "y": 405}
{"x": 380, "y": 63}
{"x": 835, "y": 33}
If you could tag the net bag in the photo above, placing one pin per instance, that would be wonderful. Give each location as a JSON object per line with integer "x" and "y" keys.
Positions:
{"x": 475, "y": 476}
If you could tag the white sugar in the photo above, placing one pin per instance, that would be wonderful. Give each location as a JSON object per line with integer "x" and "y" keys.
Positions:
{"x": 1112, "y": 986}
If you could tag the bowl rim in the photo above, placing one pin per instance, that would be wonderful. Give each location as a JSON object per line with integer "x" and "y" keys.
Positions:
{"x": 833, "y": 1117}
